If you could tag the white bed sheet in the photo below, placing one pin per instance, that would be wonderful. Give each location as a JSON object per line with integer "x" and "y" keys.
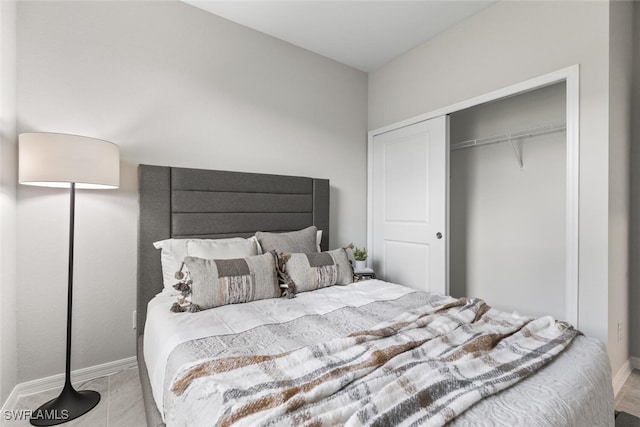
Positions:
{"x": 559, "y": 394}
{"x": 164, "y": 330}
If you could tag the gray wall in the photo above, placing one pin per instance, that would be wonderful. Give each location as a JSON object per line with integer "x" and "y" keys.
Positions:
{"x": 507, "y": 223}
{"x": 634, "y": 286}
{"x": 172, "y": 85}
{"x": 621, "y": 54}
{"x": 503, "y": 45}
{"x": 8, "y": 162}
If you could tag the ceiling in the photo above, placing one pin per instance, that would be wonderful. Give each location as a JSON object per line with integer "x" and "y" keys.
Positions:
{"x": 362, "y": 34}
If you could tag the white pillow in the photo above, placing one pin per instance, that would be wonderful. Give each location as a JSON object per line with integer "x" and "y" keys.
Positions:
{"x": 171, "y": 256}
{"x": 175, "y": 250}
{"x": 223, "y": 248}
{"x": 318, "y": 241}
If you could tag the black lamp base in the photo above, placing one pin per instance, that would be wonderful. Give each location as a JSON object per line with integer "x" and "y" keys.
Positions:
{"x": 69, "y": 405}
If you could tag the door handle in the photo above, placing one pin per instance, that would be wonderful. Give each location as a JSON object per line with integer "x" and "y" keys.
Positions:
{"x": 439, "y": 235}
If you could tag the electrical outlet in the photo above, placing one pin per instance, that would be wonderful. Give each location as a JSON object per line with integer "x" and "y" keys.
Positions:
{"x": 619, "y": 331}
{"x": 133, "y": 320}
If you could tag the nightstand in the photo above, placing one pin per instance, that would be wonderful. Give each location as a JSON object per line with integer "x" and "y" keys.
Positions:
{"x": 364, "y": 274}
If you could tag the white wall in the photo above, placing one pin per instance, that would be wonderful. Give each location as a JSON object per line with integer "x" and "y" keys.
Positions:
{"x": 508, "y": 223}
{"x": 508, "y": 43}
{"x": 8, "y": 161}
{"x": 620, "y": 92}
{"x": 171, "y": 85}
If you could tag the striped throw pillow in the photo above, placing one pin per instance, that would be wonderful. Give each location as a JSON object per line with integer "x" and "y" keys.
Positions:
{"x": 217, "y": 282}
{"x": 312, "y": 271}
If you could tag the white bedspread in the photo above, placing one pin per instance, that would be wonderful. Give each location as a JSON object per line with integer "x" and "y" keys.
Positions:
{"x": 573, "y": 390}
{"x": 164, "y": 330}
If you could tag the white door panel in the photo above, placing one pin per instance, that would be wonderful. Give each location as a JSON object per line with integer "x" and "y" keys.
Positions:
{"x": 409, "y": 205}
{"x": 397, "y": 255}
{"x": 405, "y": 175}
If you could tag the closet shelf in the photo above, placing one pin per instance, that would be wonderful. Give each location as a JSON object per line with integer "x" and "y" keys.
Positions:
{"x": 511, "y": 136}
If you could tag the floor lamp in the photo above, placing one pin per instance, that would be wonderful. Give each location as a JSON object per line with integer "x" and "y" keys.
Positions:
{"x": 67, "y": 161}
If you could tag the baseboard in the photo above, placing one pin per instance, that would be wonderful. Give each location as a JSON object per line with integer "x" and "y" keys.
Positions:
{"x": 635, "y": 362}
{"x": 11, "y": 401}
{"x": 621, "y": 376}
{"x": 56, "y": 381}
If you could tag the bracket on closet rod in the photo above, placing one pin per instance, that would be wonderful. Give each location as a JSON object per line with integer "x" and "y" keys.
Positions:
{"x": 517, "y": 149}
{"x": 515, "y": 138}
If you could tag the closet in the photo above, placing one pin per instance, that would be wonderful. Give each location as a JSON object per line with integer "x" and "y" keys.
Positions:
{"x": 495, "y": 226}
{"x": 508, "y": 201}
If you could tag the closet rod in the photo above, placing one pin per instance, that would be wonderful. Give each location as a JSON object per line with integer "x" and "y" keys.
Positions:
{"x": 528, "y": 133}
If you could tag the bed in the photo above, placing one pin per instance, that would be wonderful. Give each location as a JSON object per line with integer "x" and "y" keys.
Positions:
{"x": 574, "y": 389}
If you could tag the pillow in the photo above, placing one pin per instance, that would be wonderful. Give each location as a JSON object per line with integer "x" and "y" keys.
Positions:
{"x": 175, "y": 250}
{"x": 303, "y": 241}
{"x": 171, "y": 256}
{"x": 222, "y": 248}
{"x": 310, "y": 271}
{"x": 216, "y": 282}
{"x": 318, "y": 241}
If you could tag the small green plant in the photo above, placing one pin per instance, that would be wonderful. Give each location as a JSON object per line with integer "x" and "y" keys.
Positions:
{"x": 360, "y": 254}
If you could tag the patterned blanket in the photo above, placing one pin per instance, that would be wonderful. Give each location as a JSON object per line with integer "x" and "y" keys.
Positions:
{"x": 424, "y": 367}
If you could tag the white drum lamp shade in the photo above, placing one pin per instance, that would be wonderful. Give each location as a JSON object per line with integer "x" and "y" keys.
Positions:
{"x": 57, "y": 160}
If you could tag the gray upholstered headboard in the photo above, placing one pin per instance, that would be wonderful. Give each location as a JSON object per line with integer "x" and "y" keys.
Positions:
{"x": 196, "y": 203}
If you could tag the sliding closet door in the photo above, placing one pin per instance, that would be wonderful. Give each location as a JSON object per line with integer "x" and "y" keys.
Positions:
{"x": 408, "y": 203}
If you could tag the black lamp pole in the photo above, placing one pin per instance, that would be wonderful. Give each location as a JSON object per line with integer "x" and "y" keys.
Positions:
{"x": 70, "y": 404}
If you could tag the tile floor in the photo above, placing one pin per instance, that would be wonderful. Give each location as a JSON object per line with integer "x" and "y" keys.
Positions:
{"x": 628, "y": 399}
{"x": 121, "y": 404}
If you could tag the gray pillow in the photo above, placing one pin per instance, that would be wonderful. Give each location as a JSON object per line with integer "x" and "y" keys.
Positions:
{"x": 318, "y": 270}
{"x": 302, "y": 241}
{"x": 217, "y": 282}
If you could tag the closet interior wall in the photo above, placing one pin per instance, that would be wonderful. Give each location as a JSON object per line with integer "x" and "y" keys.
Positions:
{"x": 507, "y": 223}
